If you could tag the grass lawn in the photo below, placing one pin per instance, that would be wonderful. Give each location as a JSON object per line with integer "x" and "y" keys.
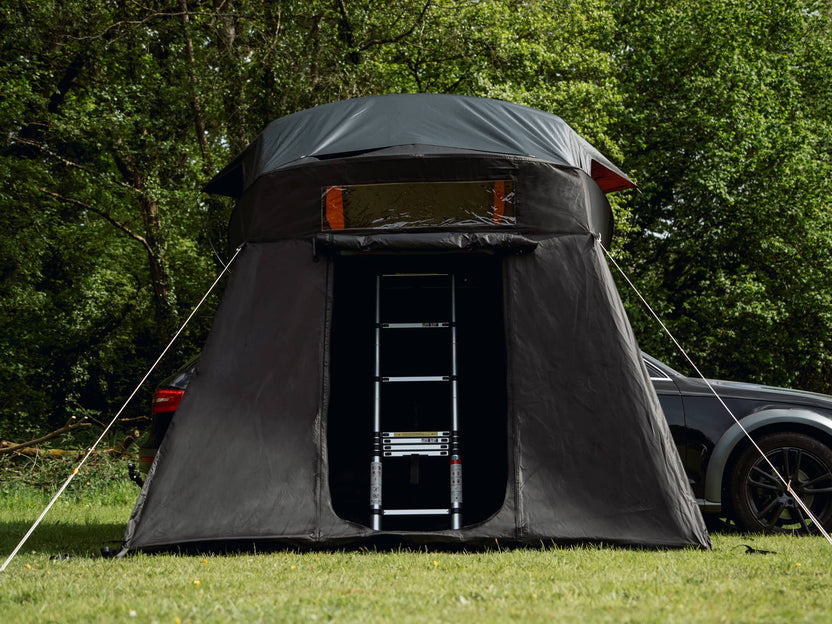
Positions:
{"x": 598, "y": 584}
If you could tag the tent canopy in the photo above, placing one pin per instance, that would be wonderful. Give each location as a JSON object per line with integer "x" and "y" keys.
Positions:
{"x": 443, "y": 122}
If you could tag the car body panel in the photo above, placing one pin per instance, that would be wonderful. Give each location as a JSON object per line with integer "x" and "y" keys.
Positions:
{"x": 707, "y": 434}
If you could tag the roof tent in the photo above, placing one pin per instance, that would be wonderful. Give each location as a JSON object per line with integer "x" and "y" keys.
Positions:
{"x": 420, "y": 342}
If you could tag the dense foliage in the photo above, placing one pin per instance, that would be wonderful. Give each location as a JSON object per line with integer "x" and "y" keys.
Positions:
{"x": 728, "y": 129}
{"x": 113, "y": 114}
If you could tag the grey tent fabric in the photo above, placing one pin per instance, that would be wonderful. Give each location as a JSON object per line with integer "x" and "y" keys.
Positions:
{"x": 221, "y": 469}
{"x": 563, "y": 438}
{"x": 361, "y": 125}
{"x": 552, "y": 198}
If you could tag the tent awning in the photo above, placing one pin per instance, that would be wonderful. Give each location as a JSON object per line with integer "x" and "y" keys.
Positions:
{"x": 495, "y": 242}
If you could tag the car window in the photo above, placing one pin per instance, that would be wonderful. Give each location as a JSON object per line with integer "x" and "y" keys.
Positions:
{"x": 655, "y": 373}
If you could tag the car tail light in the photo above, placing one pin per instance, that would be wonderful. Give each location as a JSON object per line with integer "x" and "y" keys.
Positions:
{"x": 166, "y": 400}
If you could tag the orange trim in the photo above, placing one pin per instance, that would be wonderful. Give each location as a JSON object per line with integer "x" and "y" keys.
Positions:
{"x": 335, "y": 208}
{"x": 499, "y": 201}
{"x": 609, "y": 180}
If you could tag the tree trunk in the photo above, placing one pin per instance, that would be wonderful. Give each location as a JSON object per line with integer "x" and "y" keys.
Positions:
{"x": 196, "y": 101}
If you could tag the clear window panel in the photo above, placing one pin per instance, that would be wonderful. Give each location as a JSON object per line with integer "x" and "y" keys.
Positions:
{"x": 418, "y": 204}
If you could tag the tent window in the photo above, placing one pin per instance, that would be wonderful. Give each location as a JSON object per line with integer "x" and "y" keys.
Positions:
{"x": 418, "y": 204}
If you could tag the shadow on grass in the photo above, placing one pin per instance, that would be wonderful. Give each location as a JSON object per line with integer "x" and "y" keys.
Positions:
{"x": 61, "y": 538}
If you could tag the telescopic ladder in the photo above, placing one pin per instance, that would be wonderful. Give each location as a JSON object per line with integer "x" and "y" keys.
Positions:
{"x": 389, "y": 445}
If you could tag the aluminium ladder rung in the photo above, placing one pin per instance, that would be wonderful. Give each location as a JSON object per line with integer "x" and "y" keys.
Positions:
{"x": 415, "y": 443}
{"x": 413, "y": 378}
{"x": 417, "y": 512}
{"x": 402, "y": 435}
{"x": 415, "y": 274}
{"x": 427, "y": 325}
{"x": 415, "y": 453}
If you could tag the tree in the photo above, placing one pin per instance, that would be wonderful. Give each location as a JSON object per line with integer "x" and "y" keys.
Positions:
{"x": 100, "y": 189}
{"x": 726, "y": 129}
{"x": 116, "y": 114}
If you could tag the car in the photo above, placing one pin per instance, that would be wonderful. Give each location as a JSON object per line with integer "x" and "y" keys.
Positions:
{"x": 165, "y": 402}
{"x": 729, "y": 476}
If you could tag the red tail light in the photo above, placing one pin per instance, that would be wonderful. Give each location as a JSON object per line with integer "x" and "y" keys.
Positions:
{"x": 166, "y": 400}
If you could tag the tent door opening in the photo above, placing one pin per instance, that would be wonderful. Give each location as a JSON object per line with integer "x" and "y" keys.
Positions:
{"x": 415, "y": 309}
{"x": 417, "y": 390}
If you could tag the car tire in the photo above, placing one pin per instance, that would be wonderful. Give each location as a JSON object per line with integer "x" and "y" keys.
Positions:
{"x": 761, "y": 501}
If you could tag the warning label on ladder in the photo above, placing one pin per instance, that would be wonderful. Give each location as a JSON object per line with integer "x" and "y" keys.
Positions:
{"x": 456, "y": 479}
{"x": 375, "y": 483}
{"x": 415, "y": 434}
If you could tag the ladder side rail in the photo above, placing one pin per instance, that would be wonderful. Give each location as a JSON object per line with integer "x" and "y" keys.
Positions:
{"x": 376, "y": 509}
{"x": 456, "y": 460}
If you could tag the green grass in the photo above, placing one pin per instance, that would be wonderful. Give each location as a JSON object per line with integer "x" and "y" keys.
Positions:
{"x": 596, "y": 584}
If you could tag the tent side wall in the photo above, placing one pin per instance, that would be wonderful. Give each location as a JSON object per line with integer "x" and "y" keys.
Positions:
{"x": 242, "y": 457}
{"x": 248, "y": 456}
{"x": 595, "y": 457}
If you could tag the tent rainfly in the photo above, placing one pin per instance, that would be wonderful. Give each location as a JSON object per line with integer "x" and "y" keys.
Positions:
{"x": 420, "y": 342}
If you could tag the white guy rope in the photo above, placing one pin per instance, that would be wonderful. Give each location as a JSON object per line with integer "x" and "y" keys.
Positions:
{"x": 116, "y": 417}
{"x": 788, "y": 484}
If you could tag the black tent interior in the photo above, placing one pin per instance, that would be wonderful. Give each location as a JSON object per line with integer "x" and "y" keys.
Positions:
{"x": 416, "y": 291}
{"x": 420, "y": 341}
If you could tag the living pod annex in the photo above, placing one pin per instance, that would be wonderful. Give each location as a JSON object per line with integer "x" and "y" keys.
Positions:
{"x": 421, "y": 341}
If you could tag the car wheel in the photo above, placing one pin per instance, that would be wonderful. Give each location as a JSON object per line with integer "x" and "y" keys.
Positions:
{"x": 761, "y": 502}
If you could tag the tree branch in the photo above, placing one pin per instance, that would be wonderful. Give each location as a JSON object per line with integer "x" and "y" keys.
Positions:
{"x": 68, "y": 163}
{"x": 374, "y": 42}
{"x": 71, "y": 424}
{"x": 100, "y": 213}
{"x": 148, "y": 18}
